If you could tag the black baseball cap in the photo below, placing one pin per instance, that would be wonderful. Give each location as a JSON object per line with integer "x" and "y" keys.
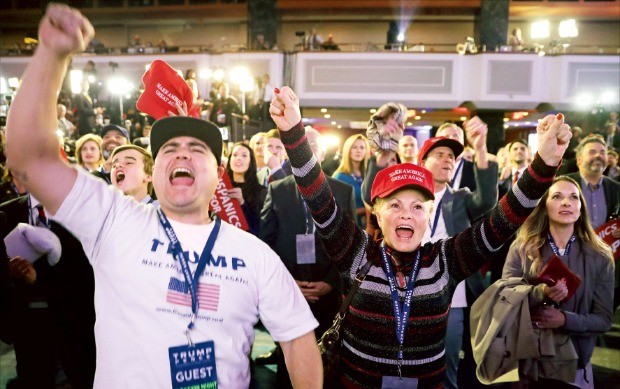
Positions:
{"x": 174, "y": 126}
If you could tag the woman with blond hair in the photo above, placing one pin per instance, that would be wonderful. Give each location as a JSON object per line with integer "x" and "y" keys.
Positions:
{"x": 352, "y": 168}
{"x": 88, "y": 152}
{"x": 257, "y": 144}
{"x": 559, "y": 225}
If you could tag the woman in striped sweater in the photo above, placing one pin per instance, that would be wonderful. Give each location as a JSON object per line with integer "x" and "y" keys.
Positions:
{"x": 394, "y": 331}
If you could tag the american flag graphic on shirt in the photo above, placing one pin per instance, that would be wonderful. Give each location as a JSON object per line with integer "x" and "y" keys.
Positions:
{"x": 208, "y": 294}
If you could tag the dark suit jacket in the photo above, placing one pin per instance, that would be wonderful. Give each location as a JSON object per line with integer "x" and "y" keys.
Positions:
{"x": 460, "y": 208}
{"x": 504, "y": 186}
{"x": 612, "y": 192}
{"x": 468, "y": 177}
{"x": 369, "y": 177}
{"x": 282, "y": 218}
{"x": 69, "y": 288}
{"x": 86, "y": 114}
{"x": 615, "y": 142}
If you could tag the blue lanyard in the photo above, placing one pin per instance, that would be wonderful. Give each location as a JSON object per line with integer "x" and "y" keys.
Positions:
{"x": 183, "y": 258}
{"x": 401, "y": 313}
{"x": 437, "y": 213}
{"x": 309, "y": 220}
{"x": 456, "y": 172}
{"x": 554, "y": 247}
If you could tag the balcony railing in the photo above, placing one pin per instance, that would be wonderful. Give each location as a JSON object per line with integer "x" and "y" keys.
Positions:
{"x": 555, "y": 48}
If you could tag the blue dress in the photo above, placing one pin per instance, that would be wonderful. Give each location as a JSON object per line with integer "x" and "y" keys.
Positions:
{"x": 356, "y": 183}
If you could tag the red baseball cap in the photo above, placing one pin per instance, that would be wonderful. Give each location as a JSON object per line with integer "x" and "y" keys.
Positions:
{"x": 402, "y": 175}
{"x": 163, "y": 88}
{"x": 439, "y": 141}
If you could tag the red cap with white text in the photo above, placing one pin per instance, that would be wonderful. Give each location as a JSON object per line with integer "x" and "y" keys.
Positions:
{"x": 439, "y": 141}
{"x": 163, "y": 88}
{"x": 400, "y": 176}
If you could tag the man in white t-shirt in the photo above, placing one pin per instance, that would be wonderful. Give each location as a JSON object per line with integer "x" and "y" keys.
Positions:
{"x": 157, "y": 325}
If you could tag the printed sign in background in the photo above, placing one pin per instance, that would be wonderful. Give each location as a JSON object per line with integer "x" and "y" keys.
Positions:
{"x": 605, "y": 232}
{"x": 226, "y": 208}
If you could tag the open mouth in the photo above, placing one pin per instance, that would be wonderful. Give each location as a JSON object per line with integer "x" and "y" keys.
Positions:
{"x": 120, "y": 176}
{"x": 181, "y": 176}
{"x": 404, "y": 232}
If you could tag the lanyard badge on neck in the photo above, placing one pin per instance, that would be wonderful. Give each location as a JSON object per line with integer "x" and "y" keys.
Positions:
{"x": 401, "y": 312}
{"x": 309, "y": 220}
{"x": 190, "y": 280}
{"x": 554, "y": 247}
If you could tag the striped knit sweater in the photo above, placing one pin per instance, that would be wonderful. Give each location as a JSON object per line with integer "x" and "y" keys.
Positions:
{"x": 369, "y": 349}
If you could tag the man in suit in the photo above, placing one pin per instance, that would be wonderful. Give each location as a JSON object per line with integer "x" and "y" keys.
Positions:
{"x": 68, "y": 289}
{"x": 612, "y": 136}
{"x": 601, "y": 193}
{"x": 85, "y": 110}
{"x": 454, "y": 211}
{"x": 518, "y": 158}
{"x": 287, "y": 226}
{"x": 518, "y": 155}
{"x": 314, "y": 40}
{"x": 277, "y": 165}
{"x": 464, "y": 176}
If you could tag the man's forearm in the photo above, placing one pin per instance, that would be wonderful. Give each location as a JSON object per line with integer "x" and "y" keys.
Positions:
{"x": 482, "y": 158}
{"x": 303, "y": 361}
{"x": 32, "y": 119}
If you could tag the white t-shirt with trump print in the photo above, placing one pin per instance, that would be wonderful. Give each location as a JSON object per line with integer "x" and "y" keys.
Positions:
{"x": 142, "y": 309}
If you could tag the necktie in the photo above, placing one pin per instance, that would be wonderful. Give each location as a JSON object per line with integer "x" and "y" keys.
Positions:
{"x": 41, "y": 217}
{"x": 515, "y": 178}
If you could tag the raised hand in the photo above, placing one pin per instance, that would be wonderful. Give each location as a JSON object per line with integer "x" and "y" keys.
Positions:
{"x": 284, "y": 109}
{"x": 476, "y": 131}
{"x": 506, "y": 172}
{"x": 182, "y": 110}
{"x": 390, "y": 129}
{"x": 271, "y": 160}
{"x": 553, "y": 137}
{"x": 64, "y": 30}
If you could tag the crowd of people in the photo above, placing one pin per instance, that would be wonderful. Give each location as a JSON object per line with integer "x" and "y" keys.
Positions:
{"x": 116, "y": 273}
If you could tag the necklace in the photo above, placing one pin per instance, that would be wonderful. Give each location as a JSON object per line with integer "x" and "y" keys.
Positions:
{"x": 357, "y": 179}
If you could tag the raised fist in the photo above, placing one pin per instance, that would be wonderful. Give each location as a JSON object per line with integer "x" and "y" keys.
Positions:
{"x": 284, "y": 109}
{"x": 64, "y": 30}
{"x": 553, "y": 137}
